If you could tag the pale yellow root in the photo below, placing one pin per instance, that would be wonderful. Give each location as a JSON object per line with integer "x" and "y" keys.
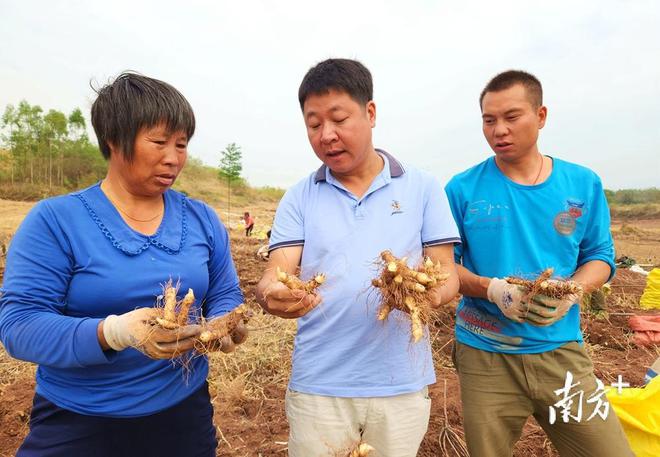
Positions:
{"x": 224, "y": 325}
{"x": 184, "y": 308}
{"x": 293, "y": 282}
{"x": 362, "y": 450}
{"x": 168, "y": 320}
{"x": 415, "y": 318}
{"x": 407, "y": 289}
{"x": 542, "y": 285}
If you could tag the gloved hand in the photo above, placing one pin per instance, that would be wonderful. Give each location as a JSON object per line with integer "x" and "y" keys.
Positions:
{"x": 544, "y": 310}
{"x": 227, "y": 343}
{"x": 135, "y": 329}
{"x": 508, "y": 298}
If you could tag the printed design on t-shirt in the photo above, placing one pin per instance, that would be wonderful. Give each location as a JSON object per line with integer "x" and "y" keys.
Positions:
{"x": 396, "y": 207}
{"x": 565, "y": 221}
{"x": 486, "y": 215}
{"x": 575, "y": 207}
{"x": 486, "y": 325}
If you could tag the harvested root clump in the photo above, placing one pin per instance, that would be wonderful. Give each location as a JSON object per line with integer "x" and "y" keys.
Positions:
{"x": 218, "y": 332}
{"x": 407, "y": 289}
{"x": 174, "y": 312}
{"x": 361, "y": 450}
{"x": 293, "y": 282}
{"x": 544, "y": 285}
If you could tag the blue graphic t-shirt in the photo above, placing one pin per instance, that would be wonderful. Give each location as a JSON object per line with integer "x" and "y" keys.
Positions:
{"x": 509, "y": 229}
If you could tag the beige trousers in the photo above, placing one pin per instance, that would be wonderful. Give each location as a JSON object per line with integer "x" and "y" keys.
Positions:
{"x": 323, "y": 426}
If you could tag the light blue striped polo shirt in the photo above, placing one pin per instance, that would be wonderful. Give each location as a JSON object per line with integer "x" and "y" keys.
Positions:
{"x": 341, "y": 349}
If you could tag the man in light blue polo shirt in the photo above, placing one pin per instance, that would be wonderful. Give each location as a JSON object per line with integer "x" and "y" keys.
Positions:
{"x": 353, "y": 377}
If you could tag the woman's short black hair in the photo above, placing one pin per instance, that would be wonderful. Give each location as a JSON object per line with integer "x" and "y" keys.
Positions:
{"x": 132, "y": 102}
{"x": 343, "y": 75}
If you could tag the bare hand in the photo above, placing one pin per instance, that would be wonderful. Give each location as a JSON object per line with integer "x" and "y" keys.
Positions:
{"x": 287, "y": 303}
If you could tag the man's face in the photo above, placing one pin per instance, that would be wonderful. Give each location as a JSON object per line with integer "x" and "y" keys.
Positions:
{"x": 511, "y": 123}
{"x": 339, "y": 130}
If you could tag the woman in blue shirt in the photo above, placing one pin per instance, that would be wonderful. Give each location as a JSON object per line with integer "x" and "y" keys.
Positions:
{"x": 82, "y": 275}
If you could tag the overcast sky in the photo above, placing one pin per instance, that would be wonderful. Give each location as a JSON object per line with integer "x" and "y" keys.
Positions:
{"x": 240, "y": 63}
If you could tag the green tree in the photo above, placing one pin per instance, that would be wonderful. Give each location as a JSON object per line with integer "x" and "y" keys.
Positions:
{"x": 55, "y": 131}
{"x": 230, "y": 169}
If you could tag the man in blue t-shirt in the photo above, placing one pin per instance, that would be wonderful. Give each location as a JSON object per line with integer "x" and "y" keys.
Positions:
{"x": 519, "y": 213}
{"x": 354, "y": 378}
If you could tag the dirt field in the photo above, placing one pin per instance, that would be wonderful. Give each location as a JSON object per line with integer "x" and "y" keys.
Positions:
{"x": 248, "y": 387}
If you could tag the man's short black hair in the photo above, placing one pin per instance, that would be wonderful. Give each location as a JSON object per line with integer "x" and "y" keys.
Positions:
{"x": 132, "y": 102}
{"x": 509, "y": 79}
{"x": 344, "y": 75}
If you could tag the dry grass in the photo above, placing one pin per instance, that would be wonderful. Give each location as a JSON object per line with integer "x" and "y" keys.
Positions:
{"x": 263, "y": 360}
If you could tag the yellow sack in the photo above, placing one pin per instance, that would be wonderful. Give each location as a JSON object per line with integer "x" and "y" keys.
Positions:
{"x": 651, "y": 296}
{"x": 638, "y": 410}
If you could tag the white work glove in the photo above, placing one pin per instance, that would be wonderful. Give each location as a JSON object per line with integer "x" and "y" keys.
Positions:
{"x": 508, "y": 298}
{"x": 136, "y": 329}
{"x": 544, "y": 310}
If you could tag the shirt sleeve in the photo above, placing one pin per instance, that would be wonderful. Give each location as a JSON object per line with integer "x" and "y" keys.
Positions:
{"x": 33, "y": 321}
{"x": 457, "y": 213}
{"x": 597, "y": 242}
{"x": 438, "y": 226}
{"x": 288, "y": 226}
{"x": 224, "y": 292}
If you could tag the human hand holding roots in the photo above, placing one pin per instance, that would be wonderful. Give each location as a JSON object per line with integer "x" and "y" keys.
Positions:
{"x": 293, "y": 282}
{"x": 547, "y": 300}
{"x": 222, "y": 333}
{"x": 290, "y": 297}
{"x": 543, "y": 285}
{"x": 408, "y": 290}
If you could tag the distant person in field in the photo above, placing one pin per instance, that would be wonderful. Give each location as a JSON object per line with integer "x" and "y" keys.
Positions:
{"x": 262, "y": 252}
{"x": 83, "y": 273}
{"x": 354, "y": 377}
{"x": 249, "y": 223}
{"x": 520, "y": 212}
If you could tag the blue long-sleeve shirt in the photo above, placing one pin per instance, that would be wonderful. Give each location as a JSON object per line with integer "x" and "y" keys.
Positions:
{"x": 74, "y": 261}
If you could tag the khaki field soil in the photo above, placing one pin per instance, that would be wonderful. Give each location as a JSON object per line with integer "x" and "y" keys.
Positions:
{"x": 248, "y": 386}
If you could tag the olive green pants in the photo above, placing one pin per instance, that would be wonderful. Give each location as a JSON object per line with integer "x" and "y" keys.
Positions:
{"x": 500, "y": 391}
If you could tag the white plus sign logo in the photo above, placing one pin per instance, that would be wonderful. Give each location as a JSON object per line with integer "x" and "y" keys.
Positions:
{"x": 619, "y": 384}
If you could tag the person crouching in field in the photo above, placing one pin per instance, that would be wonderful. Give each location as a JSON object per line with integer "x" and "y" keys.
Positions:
{"x": 249, "y": 223}
{"x": 82, "y": 275}
{"x": 353, "y": 377}
{"x": 521, "y": 212}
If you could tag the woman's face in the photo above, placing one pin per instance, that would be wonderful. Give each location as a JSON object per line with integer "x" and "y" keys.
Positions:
{"x": 158, "y": 158}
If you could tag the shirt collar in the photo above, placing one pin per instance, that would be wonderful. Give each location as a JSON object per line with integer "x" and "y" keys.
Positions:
{"x": 169, "y": 237}
{"x": 395, "y": 167}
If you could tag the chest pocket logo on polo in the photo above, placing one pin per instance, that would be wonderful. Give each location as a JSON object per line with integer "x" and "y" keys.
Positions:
{"x": 396, "y": 207}
{"x": 565, "y": 221}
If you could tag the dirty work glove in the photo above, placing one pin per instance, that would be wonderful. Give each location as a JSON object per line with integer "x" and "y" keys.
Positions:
{"x": 227, "y": 343}
{"x": 544, "y": 310}
{"x": 135, "y": 329}
{"x": 508, "y": 298}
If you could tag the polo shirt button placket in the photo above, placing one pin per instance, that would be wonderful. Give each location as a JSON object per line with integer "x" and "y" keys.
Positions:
{"x": 357, "y": 211}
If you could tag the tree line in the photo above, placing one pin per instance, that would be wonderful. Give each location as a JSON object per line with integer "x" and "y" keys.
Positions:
{"x": 633, "y": 196}
{"x": 47, "y": 149}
